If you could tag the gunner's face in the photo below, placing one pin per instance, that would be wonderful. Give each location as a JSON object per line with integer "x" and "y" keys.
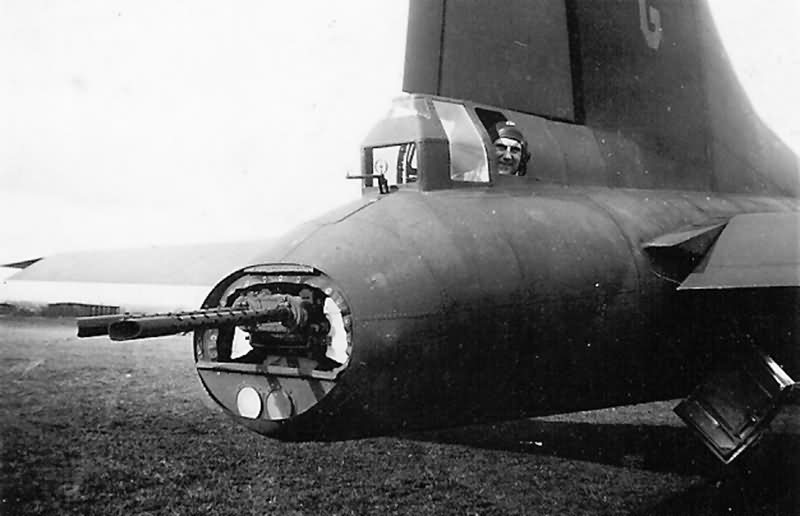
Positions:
{"x": 509, "y": 154}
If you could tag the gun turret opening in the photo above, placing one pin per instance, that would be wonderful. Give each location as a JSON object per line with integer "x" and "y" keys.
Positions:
{"x": 264, "y": 371}
{"x": 301, "y": 320}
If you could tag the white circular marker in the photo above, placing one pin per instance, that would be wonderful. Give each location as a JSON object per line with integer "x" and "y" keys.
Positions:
{"x": 248, "y": 401}
{"x": 279, "y": 405}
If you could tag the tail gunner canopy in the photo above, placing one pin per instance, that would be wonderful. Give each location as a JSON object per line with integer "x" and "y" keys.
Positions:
{"x": 430, "y": 142}
{"x": 438, "y": 143}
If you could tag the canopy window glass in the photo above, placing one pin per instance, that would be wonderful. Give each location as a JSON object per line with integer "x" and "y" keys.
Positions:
{"x": 396, "y": 163}
{"x": 468, "y": 159}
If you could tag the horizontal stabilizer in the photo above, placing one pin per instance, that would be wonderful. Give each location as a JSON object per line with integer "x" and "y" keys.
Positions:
{"x": 143, "y": 279}
{"x": 754, "y": 250}
{"x": 675, "y": 255}
{"x": 187, "y": 264}
{"x": 21, "y": 265}
{"x": 693, "y": 241}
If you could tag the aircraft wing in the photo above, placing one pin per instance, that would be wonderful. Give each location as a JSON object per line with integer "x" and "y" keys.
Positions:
{"x": 144, "y": 279}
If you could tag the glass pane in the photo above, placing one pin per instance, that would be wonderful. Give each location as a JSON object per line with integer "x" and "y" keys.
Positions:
{"x": 396, "y": 163}
{"x": 468, "y": 161}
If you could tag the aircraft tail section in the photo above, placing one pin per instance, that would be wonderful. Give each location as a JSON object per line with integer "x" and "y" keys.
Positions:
{"x": 514, "y": 54}
{"x": 651, "y": 78}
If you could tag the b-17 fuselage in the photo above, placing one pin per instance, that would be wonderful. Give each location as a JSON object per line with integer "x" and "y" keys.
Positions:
{"x": 647, "y": 242}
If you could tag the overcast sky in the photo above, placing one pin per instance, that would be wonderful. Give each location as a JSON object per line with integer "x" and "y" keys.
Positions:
{"x": 130, "y": 122}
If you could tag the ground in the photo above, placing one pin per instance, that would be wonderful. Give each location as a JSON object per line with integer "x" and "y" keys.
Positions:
{"x": 94, "y": 427}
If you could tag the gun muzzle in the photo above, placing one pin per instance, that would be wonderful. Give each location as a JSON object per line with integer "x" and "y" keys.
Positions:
{"x": 96, "y": 326}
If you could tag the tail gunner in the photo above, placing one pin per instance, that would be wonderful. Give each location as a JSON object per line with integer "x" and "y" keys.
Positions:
{"x": 511, "y": 149}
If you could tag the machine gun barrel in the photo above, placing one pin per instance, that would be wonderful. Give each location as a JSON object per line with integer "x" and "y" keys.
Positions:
{"x": 96, "y": 326}
{"x": 130, "y": 327}
{"x": 155, "y": 326}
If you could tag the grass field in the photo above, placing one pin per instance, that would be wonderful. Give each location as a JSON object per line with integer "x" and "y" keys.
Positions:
{"x": 95, "y": 427}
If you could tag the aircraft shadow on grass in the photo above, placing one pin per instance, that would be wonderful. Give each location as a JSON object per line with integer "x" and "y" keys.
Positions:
{"x": 652, "y": 447}
{"x": 767, "y": 475}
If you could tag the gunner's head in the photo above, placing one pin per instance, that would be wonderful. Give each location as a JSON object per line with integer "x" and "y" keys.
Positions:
{"x": 511, "y": 149}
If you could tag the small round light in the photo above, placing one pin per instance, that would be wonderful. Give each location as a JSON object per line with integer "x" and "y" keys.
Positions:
{"x": 279, "y": 405}
{"x": 248, "y": 401}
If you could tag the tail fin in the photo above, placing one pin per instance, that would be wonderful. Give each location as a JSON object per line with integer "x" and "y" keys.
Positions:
{"x": 651, "y": 72}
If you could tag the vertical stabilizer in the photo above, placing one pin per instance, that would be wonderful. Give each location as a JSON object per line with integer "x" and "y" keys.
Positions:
{"x": 651, "y": 78}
